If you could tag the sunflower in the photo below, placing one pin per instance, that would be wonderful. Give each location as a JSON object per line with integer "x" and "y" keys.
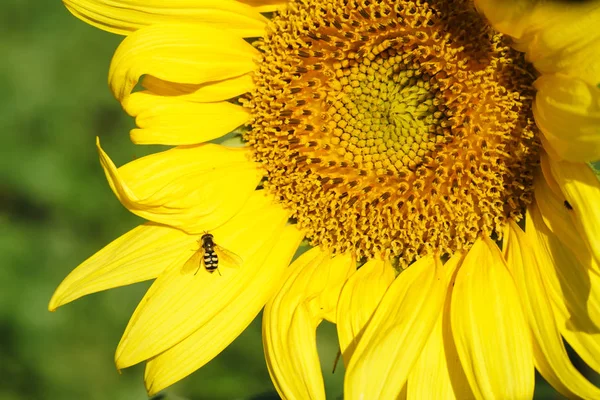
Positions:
{"x": 435, "y": 155}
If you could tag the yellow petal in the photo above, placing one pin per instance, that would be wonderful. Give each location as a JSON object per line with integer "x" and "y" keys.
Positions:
{"x": 178, "y": 304}
{"x": 397, "y": 332}
{"x": 359, "y": 298}
{"x": 193, "y": 188}
{"x": 511, "y": 17}
{"x": 489, "y": 329}
{"x": 581, "y": 188}
{"x": 429, "y": 378}
{"x": 568, "y": 281}
{"x": 181, "y": 53}
{"x": 266, "y": 5}
{"x": 126, "y": 16}
{"x": 140, "y": 254}
{"x": 437, "y": 374}
{"x": 582, "y": 64}
{"x": 291, "y": 318}
{"x": 567, "y": 111}
{"x": 175, "y": 121}
{"x": 549, "y": 352}
{"x": 556, "y": 36}
{"x": 585, "y": 344}
{"x": 231, "y": 319}
{"x": 556, "y": 214}
{"x": 199, "y": 93}
{"x": 573, "y": 289}
{"x": 564, "y": 38}
{"x": 547, "y": 173}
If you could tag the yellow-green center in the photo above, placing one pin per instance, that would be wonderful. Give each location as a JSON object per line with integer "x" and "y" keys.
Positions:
{"x": 388, "y": 116}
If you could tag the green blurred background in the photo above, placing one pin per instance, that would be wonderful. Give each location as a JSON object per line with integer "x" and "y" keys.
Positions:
{"x": 56, "y": 210}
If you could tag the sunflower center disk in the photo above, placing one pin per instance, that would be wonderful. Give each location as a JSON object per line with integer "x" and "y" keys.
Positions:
{"x": 388, "y": 119}
{"x": 393, "y": 129}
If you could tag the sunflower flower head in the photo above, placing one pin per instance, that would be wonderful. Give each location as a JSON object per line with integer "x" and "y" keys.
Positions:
{"x": 393, "y": 128}
{"x": 433, "y": 153}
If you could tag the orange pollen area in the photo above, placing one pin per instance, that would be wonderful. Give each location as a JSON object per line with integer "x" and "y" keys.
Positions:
{"x": 393, "y": 128}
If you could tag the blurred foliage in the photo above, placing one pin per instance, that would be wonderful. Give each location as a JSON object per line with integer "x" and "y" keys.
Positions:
{"x": 56, "y": 210}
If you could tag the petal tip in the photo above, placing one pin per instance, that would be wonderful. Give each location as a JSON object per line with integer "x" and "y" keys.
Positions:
{"x": 59, "y": 298}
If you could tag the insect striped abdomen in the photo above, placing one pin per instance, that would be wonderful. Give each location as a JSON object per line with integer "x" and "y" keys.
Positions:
{"x": 211, "y": 260}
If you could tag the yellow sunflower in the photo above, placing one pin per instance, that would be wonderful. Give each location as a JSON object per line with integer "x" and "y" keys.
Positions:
{"x": 436, "y": 158}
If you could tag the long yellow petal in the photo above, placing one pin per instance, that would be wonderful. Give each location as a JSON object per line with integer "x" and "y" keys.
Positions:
{"x": 581, "y": 188}
{"x": 397, "y": 332}
{"x": 549, "y": 352}
{"x": 359, "y": 298}
{"x": 291, "y": 318}
{"x": 429, "y": 377}
{"x": 437, "y": 374}
{"x": 140, "y": 254}
{"x": 192, "y": 188}
{"x": 573, "y": 289}
{"x": 178, "y": 304}
{"x": 568, "y": 281}
{"x": 181, "y": 53}
{"x": 567, "y": 111}
{"x": 489, "y": 328}
{"x": 175, "y": 121}
{"x": 126, "y": 16}
{"x": 215, "y": 334}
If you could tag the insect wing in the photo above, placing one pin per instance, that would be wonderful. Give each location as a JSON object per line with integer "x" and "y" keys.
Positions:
{"x": 193, "y": 264}
{"x": 228, "y": 257}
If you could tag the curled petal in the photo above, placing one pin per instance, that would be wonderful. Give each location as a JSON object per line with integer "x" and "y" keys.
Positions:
{"x": 178, "y": 303}
{"x": 181, "y": 53}
{"x": 564, "y": 38}
{"x": 557, "y": 37}
{"x": 308, "y": 295}
{"x": 208, "y": 92}
{"x": 215, "y": 334}
{"x": 397, "y": 332}
{"x": 489, "y": 329}
{"x": 192, "y": 188}
{"x": 126, "y": 16}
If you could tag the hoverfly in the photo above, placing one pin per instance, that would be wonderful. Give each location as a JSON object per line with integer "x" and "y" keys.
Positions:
{"x": 209, "y": 253}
